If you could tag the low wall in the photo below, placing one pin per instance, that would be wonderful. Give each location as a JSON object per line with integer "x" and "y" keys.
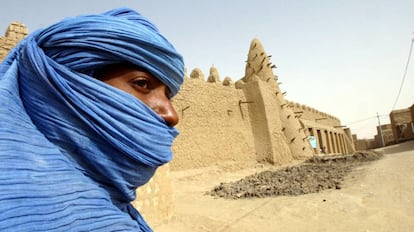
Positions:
{"x": 155, "y": 198}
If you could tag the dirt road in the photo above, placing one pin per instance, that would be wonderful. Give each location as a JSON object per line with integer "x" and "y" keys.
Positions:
{"x": 377, "y": 196}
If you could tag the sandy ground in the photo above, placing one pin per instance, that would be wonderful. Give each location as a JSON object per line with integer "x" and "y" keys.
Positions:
{"x": 377, "y": 196}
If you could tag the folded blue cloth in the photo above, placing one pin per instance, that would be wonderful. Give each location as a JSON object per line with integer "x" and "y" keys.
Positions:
{"x": 73, "y": 149}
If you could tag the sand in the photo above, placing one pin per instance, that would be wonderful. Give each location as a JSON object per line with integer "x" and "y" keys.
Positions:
{"x": 374, "y": 196}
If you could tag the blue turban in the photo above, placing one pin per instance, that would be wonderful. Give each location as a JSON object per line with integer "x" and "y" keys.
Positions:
{"x": 73, "y": 149}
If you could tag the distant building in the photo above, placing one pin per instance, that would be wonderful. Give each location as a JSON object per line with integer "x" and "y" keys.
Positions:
{"x": 402, "y": 124}
{"x": 364, "y": 144}
{"x": 399, "y": 130}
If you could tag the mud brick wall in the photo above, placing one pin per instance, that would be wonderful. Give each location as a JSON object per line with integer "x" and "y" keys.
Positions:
{"x": 14, "y": 33}
{"x": 155, "y": 198}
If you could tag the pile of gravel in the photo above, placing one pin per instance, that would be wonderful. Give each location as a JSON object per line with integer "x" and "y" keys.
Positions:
{"x": 316, "y": 174}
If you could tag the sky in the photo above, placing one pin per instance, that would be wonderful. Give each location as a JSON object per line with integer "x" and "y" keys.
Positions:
{"x": 346, "y": 58}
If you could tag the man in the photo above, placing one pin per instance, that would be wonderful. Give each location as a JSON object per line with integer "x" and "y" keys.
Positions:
{"x": 85, "y": 118}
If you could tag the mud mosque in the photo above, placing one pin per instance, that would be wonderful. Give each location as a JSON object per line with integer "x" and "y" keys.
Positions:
{"x": 222, "y": 122}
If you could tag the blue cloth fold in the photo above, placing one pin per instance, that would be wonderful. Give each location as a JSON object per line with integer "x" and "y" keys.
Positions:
{"x": 73, "y": 149}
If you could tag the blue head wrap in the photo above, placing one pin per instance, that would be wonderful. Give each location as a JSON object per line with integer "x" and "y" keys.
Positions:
{"x": 73, "y": 149}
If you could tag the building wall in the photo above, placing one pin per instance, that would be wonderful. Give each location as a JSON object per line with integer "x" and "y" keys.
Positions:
{"x": 14, "y": 33}
{"x": 332, "y": 137}
{"x": 366, "y": 144}
{"x": 155, "y": 198}
{"x": 401, "y": 122}
{"x": 412, "y": 112}
{"x": 412, "y": 118}
{"x": 250, "y": 123}
{"x": 214, "y": 124}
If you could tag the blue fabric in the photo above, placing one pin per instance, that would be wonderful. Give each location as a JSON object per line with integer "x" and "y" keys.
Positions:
{"x": 73, "y": 149}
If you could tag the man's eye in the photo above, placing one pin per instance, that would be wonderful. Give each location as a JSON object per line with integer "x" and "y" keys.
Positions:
{"x": 143, "y": 83}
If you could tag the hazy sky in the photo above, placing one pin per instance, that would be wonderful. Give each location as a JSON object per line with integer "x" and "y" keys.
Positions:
{"x": 343, "y": 57}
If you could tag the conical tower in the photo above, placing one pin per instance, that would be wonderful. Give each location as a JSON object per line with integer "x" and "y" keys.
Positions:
{"x": 279, "y": 135}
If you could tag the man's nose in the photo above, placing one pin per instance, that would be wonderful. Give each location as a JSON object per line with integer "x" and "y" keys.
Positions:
{"x": 166, "y": 110}
{"x": 169, "y": 114}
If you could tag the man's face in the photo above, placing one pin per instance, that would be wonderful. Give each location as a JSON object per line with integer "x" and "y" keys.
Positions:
{"x": 144, "y": 86}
